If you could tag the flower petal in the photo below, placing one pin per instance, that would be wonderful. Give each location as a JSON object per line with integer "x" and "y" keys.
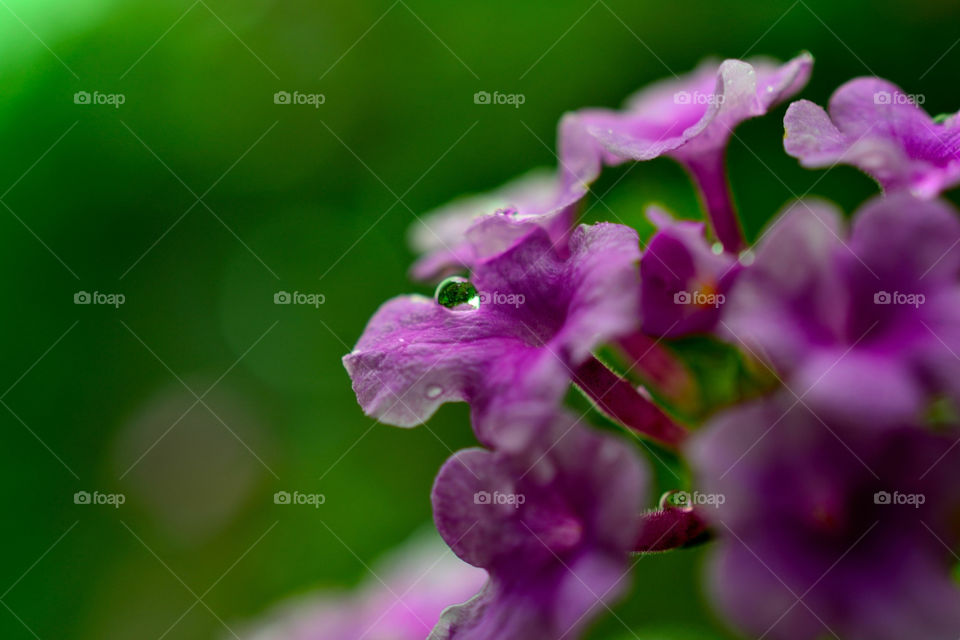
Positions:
{"x": 440, "y": 235}
{"x": 542, "y": 312}
{"x": 874, "y": 126}
{"x": 683, "y": 283}
{"x": 811, "y": 136}
{"x": 839, "y": 515}
{"x": 553, "y": 527}
{"x": 696, "y": 113}
{"x": 790, "y": 297}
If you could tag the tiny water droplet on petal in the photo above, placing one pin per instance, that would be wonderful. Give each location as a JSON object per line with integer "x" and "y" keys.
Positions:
{"x": 747, "y": 256}
{"x": 456, "y": 291}
{"x": 716, "y": 248}
{"x": 675, "y": 499}
{"x": 433, "y": 391}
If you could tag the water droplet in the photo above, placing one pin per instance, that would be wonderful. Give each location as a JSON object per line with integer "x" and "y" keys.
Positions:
{"x": 433, "y": 391}
{"x": 675, "y": 499}
{"x": 747, "y": 256}
{"x": 716, "y": 248}
{"x": 456, "y": 291}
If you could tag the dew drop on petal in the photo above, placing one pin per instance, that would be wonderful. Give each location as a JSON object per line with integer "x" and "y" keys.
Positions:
{"x": 716, "y": 248}
{"x": 747, "y": 256}
{"x": 433, "y": 391}
{"x": 675, "y": 499}
{"x": 456, "y": 291}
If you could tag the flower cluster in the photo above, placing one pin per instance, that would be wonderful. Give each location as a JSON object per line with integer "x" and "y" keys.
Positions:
{"x": 828, "y": 482}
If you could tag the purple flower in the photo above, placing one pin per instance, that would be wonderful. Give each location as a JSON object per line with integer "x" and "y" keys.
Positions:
{"x": 830, "y": 529}
{"x": 691, "y": 119}
{"x": 553, "y": 530}
{"x": 413, "y": 585}
{"x": 442, "y": 235}
{"x": 873, "y": 125}
{"x": 541, "y": 315}
{"x": 462, "y": 233}
{"x": 683, "y": 282}
{"x": 864, "y": 324}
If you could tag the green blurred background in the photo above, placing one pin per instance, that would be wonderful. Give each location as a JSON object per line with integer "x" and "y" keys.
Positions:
{"x": 199, "y": 198}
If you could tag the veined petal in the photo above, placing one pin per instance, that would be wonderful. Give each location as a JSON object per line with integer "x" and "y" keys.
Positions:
{"x": 542, "y": 313}
{"x": 552, "y": 526}
{"x": 874, "y": 126}
{"x": 696, "y": 113}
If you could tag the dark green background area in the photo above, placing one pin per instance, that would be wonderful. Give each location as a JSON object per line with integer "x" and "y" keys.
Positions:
{"x": 318, "y": 201}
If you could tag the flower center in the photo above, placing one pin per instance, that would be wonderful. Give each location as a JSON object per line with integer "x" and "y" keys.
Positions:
{"x": 564, "y": 535}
